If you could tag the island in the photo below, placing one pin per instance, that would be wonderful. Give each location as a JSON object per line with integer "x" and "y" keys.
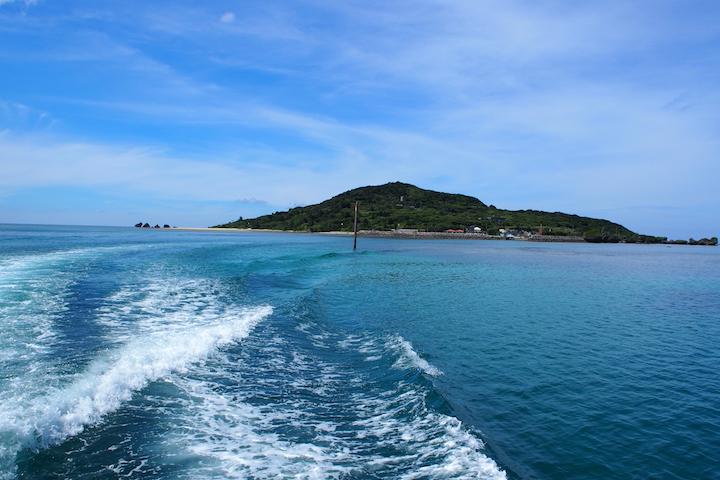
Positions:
{"x": 406, "y": 211}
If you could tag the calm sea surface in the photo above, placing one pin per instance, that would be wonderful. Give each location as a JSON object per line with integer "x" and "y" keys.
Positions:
{"x": 168, "y": 354}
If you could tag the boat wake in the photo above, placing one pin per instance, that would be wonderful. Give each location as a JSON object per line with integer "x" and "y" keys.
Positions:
{"x": 174, "y": 343}
{"x": 297, "y": 400}
{"x": 296, "y": 410}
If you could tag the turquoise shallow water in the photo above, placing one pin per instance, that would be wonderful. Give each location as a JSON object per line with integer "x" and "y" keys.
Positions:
{"x": 150, "y": 354}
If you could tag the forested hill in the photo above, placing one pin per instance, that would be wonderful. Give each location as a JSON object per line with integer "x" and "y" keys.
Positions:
{"x": 393, "y": 205}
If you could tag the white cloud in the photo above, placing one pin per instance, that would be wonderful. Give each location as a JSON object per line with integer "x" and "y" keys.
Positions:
{"x": 227, "y": 17}
{"x": 37, "y": 161}
{"x": 26, "y": 2}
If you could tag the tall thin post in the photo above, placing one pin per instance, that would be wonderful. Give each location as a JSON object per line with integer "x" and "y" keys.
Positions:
{"x": 355, "y": 227}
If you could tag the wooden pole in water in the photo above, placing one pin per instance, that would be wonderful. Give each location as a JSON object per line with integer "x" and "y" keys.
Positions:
{"x": 355, "y": 227}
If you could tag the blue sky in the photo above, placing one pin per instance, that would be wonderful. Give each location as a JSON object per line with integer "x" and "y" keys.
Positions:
{"x": 194, "y": 113}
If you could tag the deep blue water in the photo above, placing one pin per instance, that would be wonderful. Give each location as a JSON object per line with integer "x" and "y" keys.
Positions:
{"x": 168, "y": 354}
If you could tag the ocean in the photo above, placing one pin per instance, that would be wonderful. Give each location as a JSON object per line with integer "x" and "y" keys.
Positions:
{"x": 190, "y": 355}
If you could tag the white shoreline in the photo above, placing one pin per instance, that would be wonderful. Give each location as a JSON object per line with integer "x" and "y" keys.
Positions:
{"x": 385, "y": 234}
{"x": 245, "y": 230}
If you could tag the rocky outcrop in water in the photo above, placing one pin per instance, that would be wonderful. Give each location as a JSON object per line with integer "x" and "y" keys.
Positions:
{"x": 147, "y": 225}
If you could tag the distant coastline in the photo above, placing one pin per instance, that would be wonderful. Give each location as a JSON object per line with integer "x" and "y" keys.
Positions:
{"x": 424, "y": 235}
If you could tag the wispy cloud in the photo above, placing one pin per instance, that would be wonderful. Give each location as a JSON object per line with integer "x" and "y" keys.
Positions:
{"x": 36, "y": 161}
{"x": 26, "y": 2}
{"x": 14, "y": 115}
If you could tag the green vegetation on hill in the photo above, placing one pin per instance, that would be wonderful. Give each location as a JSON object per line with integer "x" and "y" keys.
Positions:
{"x": 402, "y": 205}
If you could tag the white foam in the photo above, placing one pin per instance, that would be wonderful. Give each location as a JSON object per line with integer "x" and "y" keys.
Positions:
{"x": 33, "y": 295}
{"x": 390, "y": 433}
{"x": 21, "y": 265}
{"x": 113, "y": 380}
{"x": 409, "y": 358}
{"x": 33, "y": 291}
{"x": 435, "y": 445}
{"x": 237, "y": 440}
{"x": 232, "y": 439}
{"x": 160, "y": 304}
